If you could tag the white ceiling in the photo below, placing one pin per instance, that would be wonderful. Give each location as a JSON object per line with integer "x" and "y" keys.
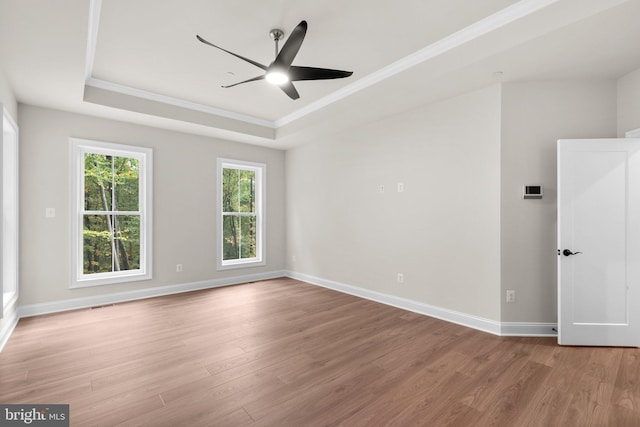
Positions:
{"x": 139, "y": 61}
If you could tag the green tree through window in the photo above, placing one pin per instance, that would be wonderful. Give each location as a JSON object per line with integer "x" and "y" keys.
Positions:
{"x": 111, "y": 217}
{"x": 241, "y": 219}
{"x": 239, "y": 216}
{"x": 111, "y": 213}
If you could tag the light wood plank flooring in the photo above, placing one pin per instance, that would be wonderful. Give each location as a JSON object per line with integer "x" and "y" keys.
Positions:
{"x": 286, "y": 353}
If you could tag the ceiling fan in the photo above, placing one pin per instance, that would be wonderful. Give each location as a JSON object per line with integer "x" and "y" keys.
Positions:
{"x": 280, "y": 72}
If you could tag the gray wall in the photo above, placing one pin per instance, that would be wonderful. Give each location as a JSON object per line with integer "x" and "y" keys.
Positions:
{"x": 7, "y": 97}
{"x": 442, "y": 232}
{"x": 184, "y": 202}
{"x": 534, "y": 116}
{"x": 461, "y": 233}
{"x": 629, "y": 102}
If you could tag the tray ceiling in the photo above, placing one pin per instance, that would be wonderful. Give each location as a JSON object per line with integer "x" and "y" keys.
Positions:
{"x": 140, "y": 61}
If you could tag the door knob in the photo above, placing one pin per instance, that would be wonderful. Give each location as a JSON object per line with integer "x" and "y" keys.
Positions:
{"x": 567, "y": 252}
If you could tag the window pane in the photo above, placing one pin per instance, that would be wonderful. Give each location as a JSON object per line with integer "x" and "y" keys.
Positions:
{"x": 241, "y": 199}
{"x": 230, "y": 190}
{"x": 239, "y": 237}
{"x": 247, "y": 186}
{"x": 97, "y": 245}
{"x": 111, "y": 213}
{"x": 127, "y": 242}
{"x": 247, "y": 237}
{"x": 231, "y": 237}
{"x": 97, "y": 182}
{"x": 126, "y": 181}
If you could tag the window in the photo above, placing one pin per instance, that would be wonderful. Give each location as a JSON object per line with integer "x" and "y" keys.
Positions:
{"x": 111, "y": 228}
{"x": 9, "y": 191}
{"x": 241, "y": 214}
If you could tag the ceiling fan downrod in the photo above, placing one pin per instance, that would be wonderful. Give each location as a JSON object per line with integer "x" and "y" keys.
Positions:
{"x": 276, "y": 34}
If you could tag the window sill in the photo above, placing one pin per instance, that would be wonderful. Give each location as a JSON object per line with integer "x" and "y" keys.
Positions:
{"x": 242, "y": 264}
{"x": 109, "y": 280}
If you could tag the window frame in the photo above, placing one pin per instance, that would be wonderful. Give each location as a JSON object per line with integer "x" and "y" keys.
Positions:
{"x": 260, "y": 170}
{"x": 144, "y": 155}
{"x": 9, "y": 126}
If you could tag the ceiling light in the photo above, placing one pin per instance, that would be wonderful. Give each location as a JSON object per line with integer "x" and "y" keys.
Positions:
{"x": 281, "y": 72}
{"x": 277, "y": 77}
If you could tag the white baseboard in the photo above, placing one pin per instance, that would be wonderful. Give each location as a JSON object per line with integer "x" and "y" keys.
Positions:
{"x": 528, "y": 329}
{"x": 475, "y": 322}
{"x": 9, "y": 324}
{"x": 635, "y": 133}
{"x": 98, "y": 300}
{"x": 464, "y": 319}
{"x": 78, "y": 303}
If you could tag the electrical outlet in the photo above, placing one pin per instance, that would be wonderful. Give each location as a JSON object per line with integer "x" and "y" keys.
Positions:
{"x": 511, "y": 295}
{"x": 400, "y": 278}
{"x": 178, "y": 268}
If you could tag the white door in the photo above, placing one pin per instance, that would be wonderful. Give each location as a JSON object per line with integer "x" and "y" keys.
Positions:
{"x": 599, "y": 242}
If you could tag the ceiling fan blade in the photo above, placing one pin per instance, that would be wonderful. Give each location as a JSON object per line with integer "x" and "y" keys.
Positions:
{"x": 245, "y": 81}
{"x": 313, "y": 73}
{"x": 257, "y": 64}
{"x": 290, "y": 90}
{"x": 291, "y": 46}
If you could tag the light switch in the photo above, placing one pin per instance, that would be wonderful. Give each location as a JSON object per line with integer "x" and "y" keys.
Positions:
{"x": 50, "y": 213}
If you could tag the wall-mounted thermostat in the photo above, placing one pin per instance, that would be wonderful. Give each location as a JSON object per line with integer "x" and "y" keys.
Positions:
{"x": 532, "y": 192}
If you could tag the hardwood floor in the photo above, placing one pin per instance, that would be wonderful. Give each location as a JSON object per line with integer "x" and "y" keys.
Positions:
{"x": 285, "y": 353}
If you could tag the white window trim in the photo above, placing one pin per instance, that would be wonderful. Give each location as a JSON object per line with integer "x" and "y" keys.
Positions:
{"x": 261, "y": 184}
{"x": 9, "y": 298}
{"x": 78, "y": 147}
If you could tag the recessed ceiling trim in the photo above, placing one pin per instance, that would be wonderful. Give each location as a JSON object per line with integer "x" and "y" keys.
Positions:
{"x": 92, "y": 36}
{"x": 486, "y": 25}
{"x": 95, "y": 7}
{"x": 152, "y": 96}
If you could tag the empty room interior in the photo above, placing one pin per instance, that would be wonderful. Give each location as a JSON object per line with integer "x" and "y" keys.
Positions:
{"x": 375, "y": 239}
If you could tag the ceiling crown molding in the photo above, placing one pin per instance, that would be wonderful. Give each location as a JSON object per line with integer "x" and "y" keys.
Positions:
{"x": 490, "y": 23}
{"x": 95, "y": 6}
{"x": 478, "y": 29}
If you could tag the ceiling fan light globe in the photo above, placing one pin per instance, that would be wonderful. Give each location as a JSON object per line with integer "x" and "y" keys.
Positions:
{"x": 277, "y": 77}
